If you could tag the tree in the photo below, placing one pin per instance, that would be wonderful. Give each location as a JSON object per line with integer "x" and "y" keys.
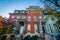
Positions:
{"x": 58, "y": 17}
{"x": 2, "y": 27}
{"x": 52, "y": 4}
{"x": 10, "y": 24}
{"x": 1, "y": 24}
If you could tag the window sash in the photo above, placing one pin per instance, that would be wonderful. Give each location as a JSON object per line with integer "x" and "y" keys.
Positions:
{"x": 35, "y": 18}
{"x": 18, "y": 17}
{"x": 28, "y": 26}
{"x": 28, "y": 11}
{"x": 29, "y": 18}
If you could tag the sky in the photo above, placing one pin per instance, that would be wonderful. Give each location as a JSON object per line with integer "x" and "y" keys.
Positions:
{"x": 8, "y": 6}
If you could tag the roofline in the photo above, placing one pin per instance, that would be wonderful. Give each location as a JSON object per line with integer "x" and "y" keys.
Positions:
{"x": 17, "y": 14}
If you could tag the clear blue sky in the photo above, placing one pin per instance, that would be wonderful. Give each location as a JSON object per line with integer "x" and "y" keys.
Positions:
{"x": 8, "y": 6}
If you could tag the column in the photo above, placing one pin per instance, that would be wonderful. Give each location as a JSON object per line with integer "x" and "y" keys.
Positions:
{"x": 41, "y": 31}
{"x": 21, "y": 30}
{"x": 49, "y": 28}
{"x": 24, "y": 27}
{"x": 17, "y": 26}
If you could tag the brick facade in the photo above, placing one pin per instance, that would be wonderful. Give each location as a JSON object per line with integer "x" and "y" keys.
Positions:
{"x": 30, "y": 15}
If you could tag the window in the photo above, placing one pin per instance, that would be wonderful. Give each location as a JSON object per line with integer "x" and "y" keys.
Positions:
{"x": 35, "y": 28}
{"x": 34, "y": 11}
{"x": 33, "y": 6}
{"x": 29, "y": 18}
{"x": 28, "y": 11}
{"x": 22, "y": 11}
{"x": 55, "y": 27}
{"x": 24, "y": 17}
{"x": 58, "y": 2}
{"x": 16, "y": 11}
{"x": 12, "y": 17}
{"x": 18, "y": 17}
{"x": 28, "y": 27}
{"x": 35, "y": 18}
{"x": 40, "y": 17}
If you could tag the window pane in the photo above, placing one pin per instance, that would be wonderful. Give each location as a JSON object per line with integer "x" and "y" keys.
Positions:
{"x": 22, "y": 11}
{"x": 35, "y": 18}
{"x": 28, "y": 26}
{"x": 16, "y": 11}
{"x": 35, "y": 25}
{"x": 24, "y": 17}
{"x": 18, "y": 17}
{"x": 58, "y": 2}
{"x": 12, "y": 17}
{"x": 29, "y": 18}
{"x": 28, "y": 11}
{"x": 34, "y": 11}
{"x": 40, "y": 17}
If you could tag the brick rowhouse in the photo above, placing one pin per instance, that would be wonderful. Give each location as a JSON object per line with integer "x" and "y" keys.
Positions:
{"x": 29, "y": 19}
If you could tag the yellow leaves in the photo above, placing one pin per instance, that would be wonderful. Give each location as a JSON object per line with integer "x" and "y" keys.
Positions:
{"x": 49, "y": 11}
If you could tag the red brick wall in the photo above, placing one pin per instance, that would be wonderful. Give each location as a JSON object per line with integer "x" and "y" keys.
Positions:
{"x": 32, "y": 22}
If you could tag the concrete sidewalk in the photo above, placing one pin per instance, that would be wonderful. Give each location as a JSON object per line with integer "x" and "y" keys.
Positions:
{"x": 49, "y": 37}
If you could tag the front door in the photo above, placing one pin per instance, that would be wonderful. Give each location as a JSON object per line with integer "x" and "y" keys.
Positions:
{"x": 21, "y": 27}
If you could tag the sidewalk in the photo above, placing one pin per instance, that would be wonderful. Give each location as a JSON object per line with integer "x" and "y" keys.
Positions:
{"x": 49, "y": 37}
